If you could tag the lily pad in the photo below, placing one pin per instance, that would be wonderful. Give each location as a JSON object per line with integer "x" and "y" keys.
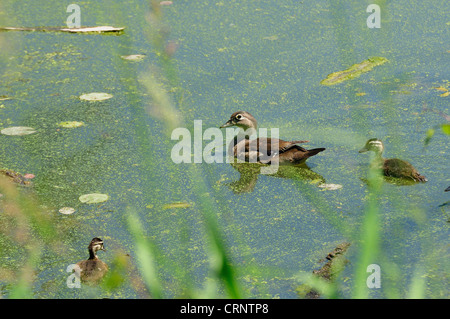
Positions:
{"x": 93, "y": 198}
{"x": 271, "y": 38}
{"x": 354, "y": 71}
{"x": 133, "y": 57}
{"x": 330, "y": 187}
{"x": 99, "y": 29}
{"x": 18, "y": 130}
{"x": 95, "y": 96}
{"x": 71, "y": 124}
{"x": 67, "y": 210}
{"x": 177, "y": 205}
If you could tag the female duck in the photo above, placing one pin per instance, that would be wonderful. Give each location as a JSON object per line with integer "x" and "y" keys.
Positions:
{"x": 93, "y": 269}
{"x": 287, "y": 152}
{"x": 392, "y": 167}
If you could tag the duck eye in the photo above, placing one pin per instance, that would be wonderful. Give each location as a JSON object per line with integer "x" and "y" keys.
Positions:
{"x": 238, "y": 117}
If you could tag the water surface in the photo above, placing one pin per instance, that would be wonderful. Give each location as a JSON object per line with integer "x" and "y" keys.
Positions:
{"x": 264, "y": 57}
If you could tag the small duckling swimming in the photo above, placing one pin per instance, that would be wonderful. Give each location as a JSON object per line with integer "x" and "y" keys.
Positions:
{"x": 93, "y": 269}
{"x": 392, "y": 167}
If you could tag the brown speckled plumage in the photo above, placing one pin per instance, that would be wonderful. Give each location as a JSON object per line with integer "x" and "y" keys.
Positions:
{"x": 288, "y": 152}
{"x": 93, "y": 269}
{"x": 393, "y": 167}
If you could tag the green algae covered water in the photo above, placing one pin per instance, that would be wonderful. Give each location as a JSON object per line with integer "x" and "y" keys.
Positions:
{"x": 264, "y": 57}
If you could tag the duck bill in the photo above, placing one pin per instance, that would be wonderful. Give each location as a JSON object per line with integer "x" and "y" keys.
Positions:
{"x": 363, "y": 150}
{"x": 227, "y": 124}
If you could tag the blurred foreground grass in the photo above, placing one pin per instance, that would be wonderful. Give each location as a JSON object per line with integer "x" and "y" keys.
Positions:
{"x": 31, "y": 230}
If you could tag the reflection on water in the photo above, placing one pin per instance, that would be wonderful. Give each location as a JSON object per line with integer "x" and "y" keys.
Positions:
{"x": 249, "y": 173}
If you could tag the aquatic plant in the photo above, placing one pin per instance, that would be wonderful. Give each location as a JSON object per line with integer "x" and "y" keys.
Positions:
{"x": 161, "y": 272}
{"x": 353, "y": 71}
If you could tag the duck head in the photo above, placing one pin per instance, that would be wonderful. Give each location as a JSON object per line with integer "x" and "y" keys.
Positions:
{"x": 241, "y": 119}
{"x": 95, "y": 245}
{"x": 374, "y": 145}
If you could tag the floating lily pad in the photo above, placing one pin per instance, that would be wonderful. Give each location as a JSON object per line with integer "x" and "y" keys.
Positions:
{"x": 67, "y": 210}
{"x": 18, "y": 130}
{"x": 95, "y": 96}
{"x": 71, "y": 124}
{"x": 271, "y": 38}
{"x": 93, "y": 198}
{"x": 330, "y": 187}
{"x": 177, "y": 205}
{"x": 133, "y": 57}
{"x": 99, "y": 29}
{"x": 444, "y": 94}
{"x": 354, "y": 71}
{"x": 93, "y": 29}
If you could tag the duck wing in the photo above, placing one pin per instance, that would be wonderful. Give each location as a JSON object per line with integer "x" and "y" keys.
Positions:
{"x": 261, "y": 150}
{"x": 283, "y": 146}
{"x": 399, "y": 168}
{"x": 263, "y": 144}
{"x": 258, "y": 150}
{"x": 297, "y": 155}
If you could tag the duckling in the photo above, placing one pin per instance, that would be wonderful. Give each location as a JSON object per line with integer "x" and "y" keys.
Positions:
{"x": 392, "y": 167}
{"x": 93, "y": 269}
{"x": 288, "y": 151}
{"x": 15, "y": 177}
